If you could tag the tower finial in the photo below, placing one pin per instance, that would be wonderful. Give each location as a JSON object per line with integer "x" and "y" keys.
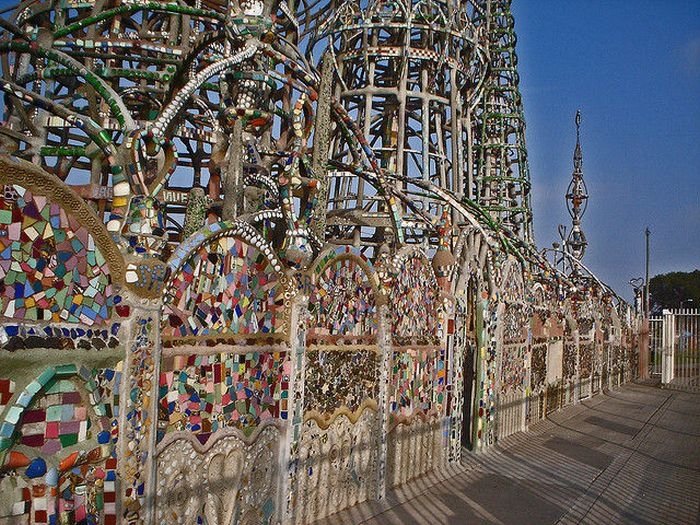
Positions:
{"x": 577, "y": 199}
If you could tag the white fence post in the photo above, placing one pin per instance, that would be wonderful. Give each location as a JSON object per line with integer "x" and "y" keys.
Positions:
{"x": 668, "y": 346}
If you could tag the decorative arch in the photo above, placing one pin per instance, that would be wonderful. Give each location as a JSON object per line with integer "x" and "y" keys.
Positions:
{"x": 344, "y": 294}
{"x": 78, "y": 431}
{"x": 41, "y": 386}
{"x": 225, "y": 281}
{"x": 512, "y": 287}
{"x": 414, "y": 298}
{"x": 57, "y": 260}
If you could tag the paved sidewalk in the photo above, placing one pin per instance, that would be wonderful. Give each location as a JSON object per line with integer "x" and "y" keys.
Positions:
{"x": 631, "y": 456}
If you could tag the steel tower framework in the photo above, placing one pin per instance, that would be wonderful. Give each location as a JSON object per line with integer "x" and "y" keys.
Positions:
{"x": 346, "y": 122}
{"x": 502, "y": 174}
{"x": 409, "y": 74}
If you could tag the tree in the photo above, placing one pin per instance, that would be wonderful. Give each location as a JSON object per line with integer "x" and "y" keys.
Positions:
{"x": 675, "y": 290}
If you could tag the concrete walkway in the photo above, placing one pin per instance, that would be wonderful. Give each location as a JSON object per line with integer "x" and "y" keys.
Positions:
{"x": 628, "y": 456}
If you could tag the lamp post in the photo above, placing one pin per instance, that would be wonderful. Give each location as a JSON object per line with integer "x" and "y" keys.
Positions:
{"x": 638, "y": 286}
{"x": 647, "y": 233}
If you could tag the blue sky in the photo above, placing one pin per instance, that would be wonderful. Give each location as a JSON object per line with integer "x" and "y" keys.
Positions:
{"x": 633, "y": 68}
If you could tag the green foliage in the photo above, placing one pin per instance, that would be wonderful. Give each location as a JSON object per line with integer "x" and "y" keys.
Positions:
{"x": 675, "y": 289}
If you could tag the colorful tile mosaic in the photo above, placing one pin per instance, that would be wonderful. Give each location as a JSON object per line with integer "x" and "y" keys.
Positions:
{"x": 58, "y": 419}
{"x": 135, "y": 454}
{"x": 513, "y": 368}
{"x": 342, "y": 303}
{"x": 205, "y": 393}
{"x": 226, "y": 287}
{"x": 585, "y": 327}
{"x": 66, "y": 407}
{"x": 415, "y": 301}
{"x": 487, "y": 327}
{"x": 585, "y": 364}
{"x": 18, "y": 337}
{"x": 418, "y": 379}
{"x": 82, "y": 493}
{"x": 569, "y": 361}
{"x": 515, "y": 323}
{"x": 144, "y": 226}
{"x": 339, "y": 378}
{"x": 7, "y": 390}
{"x": 52, "y": 412}
{"x": 50, "y": 268}
{"x": 538, "y": 366}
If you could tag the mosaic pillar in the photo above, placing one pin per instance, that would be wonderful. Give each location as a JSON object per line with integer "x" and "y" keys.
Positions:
{"x": 384, "y": 342}
{"x": 487, "y": 325}
{"x": 322, "y": 138}
{"x": 138, "y": 415}
{"x": 299, "y": 322}
{"x": 196, "y": 212}
{"x": 577, "y": 374}
{"x": 459, "y": 342}
{"x": 233, "y": 176}
{"x": 442, "y": 369}
{"x": 495, "y": 354}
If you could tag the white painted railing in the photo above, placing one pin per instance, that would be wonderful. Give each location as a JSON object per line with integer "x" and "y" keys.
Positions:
{"x": 680, "y": 347}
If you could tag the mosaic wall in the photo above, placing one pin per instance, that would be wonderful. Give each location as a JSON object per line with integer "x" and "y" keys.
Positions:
{"x": 514, "y": 364}
{"x": 50, "y": 268}
{"x": 515, "y": 323}
{"x": 586, "y": 358}
{"x": 415, "y": 448}
{"x": 417, "y": 382}
{"x": 417, "y": 443}
{"x": 569, "y": 361}
{"x": 226, "y": 287}
{"x": 462, "y": 346}
{"x": 340, "y": 378}
{"x": 337, "y": 465}
{"x": 515, "y": 370}
{"x": 488, "y": 374}
{"x": 61, "y": 432}
{"x": 342, "y": 302}
{"x": 232, "y": 479}
{"x": 205, "y": 212}
{"x": 538, "y": 365}
{"x": 415, "y": 301}
{"x": 202, "y": 394}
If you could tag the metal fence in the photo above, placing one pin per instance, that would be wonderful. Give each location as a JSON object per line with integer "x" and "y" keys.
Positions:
{"x": 679, "y": 350}
{"x": 656, "y": 328}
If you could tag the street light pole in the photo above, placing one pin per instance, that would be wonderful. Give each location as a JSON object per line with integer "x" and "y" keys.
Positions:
{"x": 647, "y": 232}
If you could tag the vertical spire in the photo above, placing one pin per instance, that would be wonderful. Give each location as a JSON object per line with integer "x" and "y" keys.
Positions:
{"x": 502, "y": 176}
{"x": 577, "y": 199}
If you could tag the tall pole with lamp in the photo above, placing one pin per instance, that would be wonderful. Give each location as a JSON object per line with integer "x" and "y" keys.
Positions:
{"x": 645, "y": 334}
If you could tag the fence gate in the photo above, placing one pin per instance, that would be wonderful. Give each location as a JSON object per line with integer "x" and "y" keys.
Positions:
{"x": 675, "y": 347}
